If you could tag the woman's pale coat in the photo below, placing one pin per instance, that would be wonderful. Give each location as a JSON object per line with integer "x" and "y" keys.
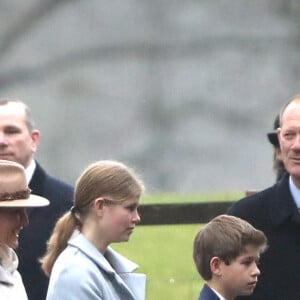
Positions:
{"x": 82, "y": 272}
{"x": 11, "y": 284}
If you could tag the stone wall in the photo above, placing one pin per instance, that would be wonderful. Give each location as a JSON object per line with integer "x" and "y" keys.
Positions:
{"x": 183, "y": 91}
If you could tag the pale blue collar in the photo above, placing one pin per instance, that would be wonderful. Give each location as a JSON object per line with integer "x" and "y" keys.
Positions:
{"x": 295, "y": 192}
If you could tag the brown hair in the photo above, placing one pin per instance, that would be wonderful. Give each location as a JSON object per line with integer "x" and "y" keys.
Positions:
{"x": 103, "y": 178}
{"x": 225, "y": 237}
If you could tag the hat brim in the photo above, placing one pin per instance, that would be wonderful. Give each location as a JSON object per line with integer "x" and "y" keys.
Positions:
{"x": 273, "y": 138}
{"x": 32, "y": 201}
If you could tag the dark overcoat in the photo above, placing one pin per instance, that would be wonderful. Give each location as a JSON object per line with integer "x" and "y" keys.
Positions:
{"x": 275, "y": 213}
{"x": 33, "y": 238}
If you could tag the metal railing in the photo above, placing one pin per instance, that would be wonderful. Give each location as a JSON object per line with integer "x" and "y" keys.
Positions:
{"x": 181, "y": 213}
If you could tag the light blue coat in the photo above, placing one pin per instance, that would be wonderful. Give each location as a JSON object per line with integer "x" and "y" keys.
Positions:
{"x": 82, "y": 272}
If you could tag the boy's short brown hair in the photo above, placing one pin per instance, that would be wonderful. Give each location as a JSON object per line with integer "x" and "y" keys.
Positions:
{"x": 225, "y": 237}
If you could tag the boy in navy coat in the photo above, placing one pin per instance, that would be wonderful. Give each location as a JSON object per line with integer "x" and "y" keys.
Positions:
{"x": 226, "y": 253}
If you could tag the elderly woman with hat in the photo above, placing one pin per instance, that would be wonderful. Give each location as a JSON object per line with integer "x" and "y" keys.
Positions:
{"x": 15, "y": 197}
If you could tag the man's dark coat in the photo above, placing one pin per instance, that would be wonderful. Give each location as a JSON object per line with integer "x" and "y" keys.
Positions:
{"x": 275, "y": 213}
{"x": 33, "y": 238}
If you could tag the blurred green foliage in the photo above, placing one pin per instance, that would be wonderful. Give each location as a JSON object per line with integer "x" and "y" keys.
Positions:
{"x": 190, "y": 198}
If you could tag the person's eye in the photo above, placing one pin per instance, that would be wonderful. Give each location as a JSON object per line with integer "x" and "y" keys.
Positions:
{"x": 12, "y": 130}
{"x": 247, "y": 262}
{"x": 289, "y": 135}
{"x": 131, "y": 207}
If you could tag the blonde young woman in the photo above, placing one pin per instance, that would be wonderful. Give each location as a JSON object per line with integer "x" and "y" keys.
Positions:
{"x": 79, "y": 260}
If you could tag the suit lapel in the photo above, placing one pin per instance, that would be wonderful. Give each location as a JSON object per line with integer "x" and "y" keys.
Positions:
{"x": 283, "y": 205}
{"x": 37, "y": 184}
{"x": 208, "y": 294}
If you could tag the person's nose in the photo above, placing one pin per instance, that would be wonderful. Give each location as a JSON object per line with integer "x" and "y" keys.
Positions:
{"x": 3, "y": 139}
{"x": 255, "y": 271}
{"x": 136, "y": 217}
{"x": 296, "y": 142}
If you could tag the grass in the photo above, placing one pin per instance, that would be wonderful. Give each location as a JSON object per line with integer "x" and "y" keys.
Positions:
{"x": 164, "y": 252}
{"x": 191, "y": 198}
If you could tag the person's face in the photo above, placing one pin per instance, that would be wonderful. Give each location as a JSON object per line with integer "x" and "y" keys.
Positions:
{"x": 120, "y": 220}
{"x": 12, "y": 220}
{"x": 17, "y": 143}
{"x": 239, "y": 278}
{"x": 289, "y": 138}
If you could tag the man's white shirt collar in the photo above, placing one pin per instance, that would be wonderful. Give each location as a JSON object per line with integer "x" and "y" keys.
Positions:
{"x": 218, "y": 294}
{"x": 30, "y": 170}
{"x": 295, "y": 192}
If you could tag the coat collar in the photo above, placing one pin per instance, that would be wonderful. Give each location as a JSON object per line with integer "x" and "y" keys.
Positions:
{"x": 119, "y": 267}
{"x": 283, "y": 206}
{"x": 208, "y": 294}
{"x": 111, "y": 262}
{"x": 38, "y": 179}
{"x": 8, "y": 264}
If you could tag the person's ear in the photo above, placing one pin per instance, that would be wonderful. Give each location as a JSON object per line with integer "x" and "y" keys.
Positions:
{"x": 215, "y": 266}
{"x": 35, "y": 137}
{"x": 99, "y": 206}
{"x": 278, "y": 131}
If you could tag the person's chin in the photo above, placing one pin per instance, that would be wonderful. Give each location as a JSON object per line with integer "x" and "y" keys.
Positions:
{"x": 248, "y": 291}
{"x": 13, "y": 244}
{"x": 125, "y": 238}
{"x": 9, "y": 157}
{"x": 294, "y": 170}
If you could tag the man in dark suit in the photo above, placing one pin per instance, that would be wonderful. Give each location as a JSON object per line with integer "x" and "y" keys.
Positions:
{"x": 19, "y": 141}
{"x": 276, "y": 212}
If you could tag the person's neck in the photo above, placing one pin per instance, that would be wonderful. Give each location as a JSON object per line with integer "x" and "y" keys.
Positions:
{"x": 90, "y": 231}
{"x": 296, "y": 181}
